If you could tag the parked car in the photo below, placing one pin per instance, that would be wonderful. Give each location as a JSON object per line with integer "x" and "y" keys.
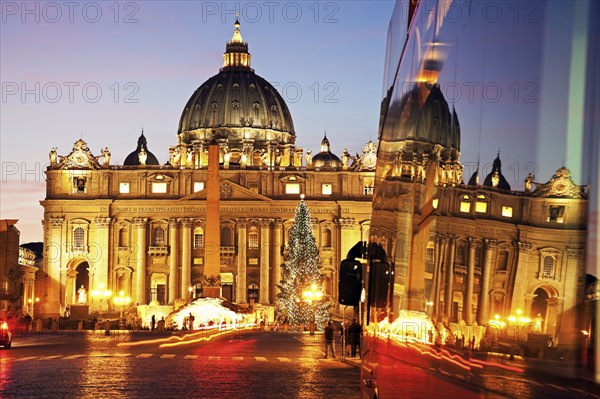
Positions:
{"x": 5, "y": 335}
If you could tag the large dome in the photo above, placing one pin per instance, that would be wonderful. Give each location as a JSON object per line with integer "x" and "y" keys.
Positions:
{"x": 236, "y": 105}
{"x": 236, "y": 99}
{"x": 426, "y": 116}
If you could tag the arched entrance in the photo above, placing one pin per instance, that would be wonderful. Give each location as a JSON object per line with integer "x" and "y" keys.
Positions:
{"x": 83, "y": 276}
{"x": 539, "y": 304}
{"x": 543, "y": 309}
{"x": 77, "y": 276}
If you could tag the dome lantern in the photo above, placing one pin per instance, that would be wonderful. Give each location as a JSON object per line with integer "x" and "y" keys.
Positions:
{"x": 236, "y": 51}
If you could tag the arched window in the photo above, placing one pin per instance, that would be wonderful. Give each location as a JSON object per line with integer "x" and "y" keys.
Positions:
{"x": 253, "y": 238}
{"x": 159, "y": 237}
{"x": 198, "y": 237}
{"x": 252, "y": 292}
{"x": 327, "y": 238}
{"x": 429, "y": 254}
{"x": 460, "y": 254}
{"x": 226, "y": 237}
{"x": 123, "y": 237}
{"x": 502, "y": 262}
{"x": 78, "y": 238}
{"x": 548, "y": 271}
{"x": 477, "y": 257}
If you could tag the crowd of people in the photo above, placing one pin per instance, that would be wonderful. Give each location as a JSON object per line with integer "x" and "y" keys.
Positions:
{"x": 351, "y": 336}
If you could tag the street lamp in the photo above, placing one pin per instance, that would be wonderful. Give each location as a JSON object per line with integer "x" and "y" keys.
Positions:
{"x": 121, "y": 301}
{"x": 313, "y": 296}
{"x": 101, "y": 294}
{"x": 190, "y": 289}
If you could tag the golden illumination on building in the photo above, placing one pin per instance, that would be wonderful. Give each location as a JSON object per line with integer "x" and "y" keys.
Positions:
{"x": 507, "y": 211}
{"x": 480, "y": 207}
{"x": 465, "y": 207}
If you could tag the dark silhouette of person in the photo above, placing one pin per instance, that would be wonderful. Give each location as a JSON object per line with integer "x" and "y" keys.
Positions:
{"x": 153, "y": 322}
{"x": 355, "y": 332}
{"x": 329, "y": 337}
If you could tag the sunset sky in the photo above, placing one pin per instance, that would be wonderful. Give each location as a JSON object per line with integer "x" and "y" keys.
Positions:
{"x": 147, "y": 58}
{"x": 101, "y": 71}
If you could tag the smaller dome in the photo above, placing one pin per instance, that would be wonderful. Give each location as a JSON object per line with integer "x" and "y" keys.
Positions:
{"x": 136, "y": 156}
{"x": 325, "y": 158}
{"x": 495, "y": 178}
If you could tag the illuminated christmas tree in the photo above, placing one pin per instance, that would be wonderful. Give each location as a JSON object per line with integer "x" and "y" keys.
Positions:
{"x": 301, "y": 299}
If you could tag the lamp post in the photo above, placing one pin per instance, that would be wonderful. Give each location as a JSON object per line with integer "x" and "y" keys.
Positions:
{"x": 101, "y": 294}
{"x": 313, "y": 296}
{"x": 121, "y": 301}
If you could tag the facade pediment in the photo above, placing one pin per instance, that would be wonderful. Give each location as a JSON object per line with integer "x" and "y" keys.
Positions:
{"x": 292, "y": 179}
{"x": 79, "y": 158}
{"x": 229, "y": 191}
{"x": 560, "y": 186}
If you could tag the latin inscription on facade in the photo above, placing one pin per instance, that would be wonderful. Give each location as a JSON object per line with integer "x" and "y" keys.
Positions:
{"x": 198, "y": 209}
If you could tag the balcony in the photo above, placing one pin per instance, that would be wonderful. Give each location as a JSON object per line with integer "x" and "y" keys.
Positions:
{"x": 162, "y": 250}
{"x": 227, "y": 250}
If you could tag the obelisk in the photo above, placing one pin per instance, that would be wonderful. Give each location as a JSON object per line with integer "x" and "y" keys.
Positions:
{"x": 212, "y": 246}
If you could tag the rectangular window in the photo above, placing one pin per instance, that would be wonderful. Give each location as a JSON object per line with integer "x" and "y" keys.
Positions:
{"x": 480, "y": 207}
{"x": 556, "y": 214}
{"x": 292, "y": 188}
{"x": 198, "y": 186}
{"x": 326, "y": 189}
{"x": 368, "y": 187}
{"x": 79, "y": 184}
{"x": 507, "y": 211}
{"x": 253, "y": 240}
{"x": 159, "y": 188}
{"x": 124, "y": 188}
{"x": 198, "y": 240}
{"x": 465, "y": 207}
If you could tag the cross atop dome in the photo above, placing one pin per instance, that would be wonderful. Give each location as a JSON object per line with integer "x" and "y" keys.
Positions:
{"x": 237, "y": 35}
{"x": 236, "y": 50}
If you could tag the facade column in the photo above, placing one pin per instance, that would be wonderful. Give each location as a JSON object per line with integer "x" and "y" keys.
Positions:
{"x": 468, "y": 306}
{"x": 449, "y": 278}
{"x": 240, "y": 288}
{"x": 570, "y": 319}
{"x": 186, "y": 257}
{"x": 173, "y": 259}
{"x": 53, "y": 228}
{"x": 100, "y": 246}
{"x": 484, "y": 295}
{"x": 140, "y": 269}
{"x": 438, "y": 255}
{"x": 276, "y": 256}
{"x": 265, "y": 244}
{"x": 348, "y": 234}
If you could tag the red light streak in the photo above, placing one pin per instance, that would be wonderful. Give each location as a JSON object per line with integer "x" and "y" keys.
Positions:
{"x": 187, "y": 338}
{"x": 425, "y": 348}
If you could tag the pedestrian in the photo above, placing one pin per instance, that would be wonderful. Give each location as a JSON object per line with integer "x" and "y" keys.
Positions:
{"x": 191, "y": 320}
{"x": 153, "y": 322}
{"x": 345, "y": 337}
{"x": 329, "y": 338}
{"x": 355, "y": 333}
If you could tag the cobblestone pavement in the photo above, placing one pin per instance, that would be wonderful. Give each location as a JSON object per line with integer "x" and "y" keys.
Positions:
{"x": 244, "y": 364}
{"x": 250, "y": 365}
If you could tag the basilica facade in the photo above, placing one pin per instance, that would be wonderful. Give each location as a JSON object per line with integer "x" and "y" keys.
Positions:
{"x": 139, "y": 228}
{"x": 474, "y": 252}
